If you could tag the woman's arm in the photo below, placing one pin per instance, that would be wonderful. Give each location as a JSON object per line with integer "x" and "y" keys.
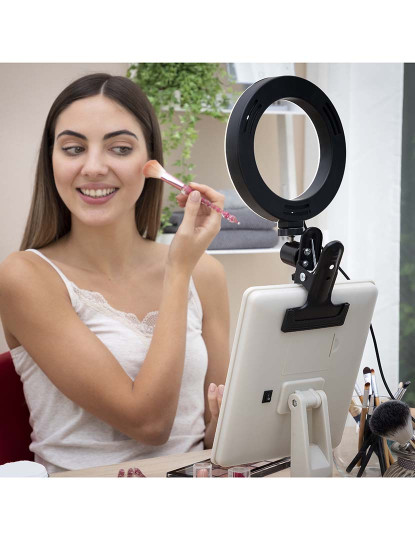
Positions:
{"x": 210, "y": 279}
{"x": 36, "y": 309}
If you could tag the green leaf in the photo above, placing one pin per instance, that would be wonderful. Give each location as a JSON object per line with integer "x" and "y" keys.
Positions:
{"x": 199, "y": 89}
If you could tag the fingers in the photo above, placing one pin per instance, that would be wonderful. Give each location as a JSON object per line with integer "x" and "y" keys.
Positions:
{"x": 215, "y": 395}
{"x": 207, "y": 192}
{"x": 213, "y": 400}
{"x": 221, "y": 388}
{"x": 190, "y": 212}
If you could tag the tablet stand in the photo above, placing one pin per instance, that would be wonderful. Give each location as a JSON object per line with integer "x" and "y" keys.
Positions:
{"x": 311, "y": 450}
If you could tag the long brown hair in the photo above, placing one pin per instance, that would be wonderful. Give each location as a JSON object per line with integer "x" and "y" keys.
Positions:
{"x": 49, "y": 219}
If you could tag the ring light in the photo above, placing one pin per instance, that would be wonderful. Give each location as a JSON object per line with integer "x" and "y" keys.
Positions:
{"x": 240, "y": 156}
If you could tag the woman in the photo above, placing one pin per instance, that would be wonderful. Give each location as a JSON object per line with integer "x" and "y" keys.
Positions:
{"x": 120, "y": 342}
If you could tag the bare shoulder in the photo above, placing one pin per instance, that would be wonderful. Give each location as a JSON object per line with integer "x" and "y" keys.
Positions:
{"x": 210, "y": 280}
{"x": 23, "y": 270}
{"x": 208, "y": 268}
{"x": 15, "y": 266}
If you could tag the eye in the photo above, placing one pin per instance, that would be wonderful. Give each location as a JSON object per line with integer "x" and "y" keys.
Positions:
{"x": 123, "y": 150}
{"x": 73, "y": 150}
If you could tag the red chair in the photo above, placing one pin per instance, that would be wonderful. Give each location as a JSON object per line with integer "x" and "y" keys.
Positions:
{"x": 15, "y": 429}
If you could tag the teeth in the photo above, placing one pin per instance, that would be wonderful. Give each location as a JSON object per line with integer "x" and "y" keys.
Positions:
{"x": 97, "y": 193}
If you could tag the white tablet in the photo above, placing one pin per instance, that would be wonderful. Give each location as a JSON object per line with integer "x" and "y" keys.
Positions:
{"x": 254, "y": 422}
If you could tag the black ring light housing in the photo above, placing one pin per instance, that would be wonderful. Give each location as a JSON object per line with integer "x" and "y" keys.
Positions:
{"x": 240, "y": 155}
{"x": 315, "y": 267}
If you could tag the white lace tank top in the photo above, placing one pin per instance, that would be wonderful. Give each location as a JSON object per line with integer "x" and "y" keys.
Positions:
{"x": 65, "y": 436}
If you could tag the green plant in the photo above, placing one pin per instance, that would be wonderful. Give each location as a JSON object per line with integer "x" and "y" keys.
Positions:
{"x": 194, "y": 89}
{"x": 407, "y": 274}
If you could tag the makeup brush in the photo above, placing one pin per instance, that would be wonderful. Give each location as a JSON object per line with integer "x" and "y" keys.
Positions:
{"x": 370, "y": 440}
{"x": 375, "y": 387}
{"x": 375, "y": 446}
{"x": 371, "y": 406}
{"x": 153, "y": 169}
{"x": 388, "y": 456}
{"x": 393, "y": 421}
{"x": 368, "y": 378}
{"x": 354, "y": 410}
{"x": 403, "y": 390}
{"x": 363, "y": 415}
{"x": 398, "y": 391}
{"x": 365, "y": 459}
{"x": 358, "y": 392}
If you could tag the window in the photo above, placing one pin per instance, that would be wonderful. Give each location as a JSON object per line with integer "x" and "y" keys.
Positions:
{"x": 407, "y": 249}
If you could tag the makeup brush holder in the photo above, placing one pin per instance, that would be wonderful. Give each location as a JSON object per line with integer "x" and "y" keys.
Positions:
{"x": 404, "y": 466}
{"x": 346, "y": 451}
{"x": 348, "y": 447}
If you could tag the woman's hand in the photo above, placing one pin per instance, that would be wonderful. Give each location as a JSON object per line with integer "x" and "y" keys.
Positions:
{"x": 199, "y": 227}
{"x": 215, "y": 395}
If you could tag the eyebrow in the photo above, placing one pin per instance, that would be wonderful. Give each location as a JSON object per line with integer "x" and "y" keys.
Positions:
{"x": 105, "y": 137}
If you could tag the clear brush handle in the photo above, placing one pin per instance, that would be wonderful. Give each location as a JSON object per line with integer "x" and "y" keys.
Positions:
{"x": 186, "y": 190}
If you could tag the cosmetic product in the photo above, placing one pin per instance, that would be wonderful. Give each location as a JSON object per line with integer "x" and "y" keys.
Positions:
{"x": 153, "y": 169}
{"x": 131, "y": 473}
{"x": 239, "y": 472}
{"x": 393, "y": 421}
{"x": 258, "y": 469}
{"x": 202, "y": 469}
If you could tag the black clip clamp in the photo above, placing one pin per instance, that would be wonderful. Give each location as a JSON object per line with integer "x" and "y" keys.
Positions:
{"x": 316, "y": 269}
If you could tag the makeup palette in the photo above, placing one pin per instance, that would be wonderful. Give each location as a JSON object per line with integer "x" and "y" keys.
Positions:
{"x": 261, "y": 468}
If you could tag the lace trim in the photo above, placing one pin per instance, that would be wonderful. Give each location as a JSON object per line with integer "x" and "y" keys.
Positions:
{"x": 97, "y": 301}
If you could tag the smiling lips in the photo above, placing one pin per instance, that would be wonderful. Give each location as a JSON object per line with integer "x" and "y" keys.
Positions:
{"x": 99, "y": 196}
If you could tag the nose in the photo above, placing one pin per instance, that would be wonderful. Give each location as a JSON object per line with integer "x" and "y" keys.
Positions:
{"x": 94, "y": 164}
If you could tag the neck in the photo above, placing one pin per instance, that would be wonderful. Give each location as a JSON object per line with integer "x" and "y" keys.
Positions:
{"x": 112, "y": 251}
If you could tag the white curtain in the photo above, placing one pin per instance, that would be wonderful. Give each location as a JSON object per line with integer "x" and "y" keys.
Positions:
{"x": 365, "y": 214}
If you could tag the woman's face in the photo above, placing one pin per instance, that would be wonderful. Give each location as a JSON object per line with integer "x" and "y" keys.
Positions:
{"x": 98, "y": 146}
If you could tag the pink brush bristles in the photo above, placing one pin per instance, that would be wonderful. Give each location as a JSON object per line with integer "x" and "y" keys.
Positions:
{"x": 153, "y": 169}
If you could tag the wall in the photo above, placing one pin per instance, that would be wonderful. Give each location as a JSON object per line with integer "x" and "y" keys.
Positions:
{"x": 26, "y": 94}
{"x": 365, "y": 214}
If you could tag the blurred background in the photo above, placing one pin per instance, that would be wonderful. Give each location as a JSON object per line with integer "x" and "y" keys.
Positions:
{"x": 372, "y": 214}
